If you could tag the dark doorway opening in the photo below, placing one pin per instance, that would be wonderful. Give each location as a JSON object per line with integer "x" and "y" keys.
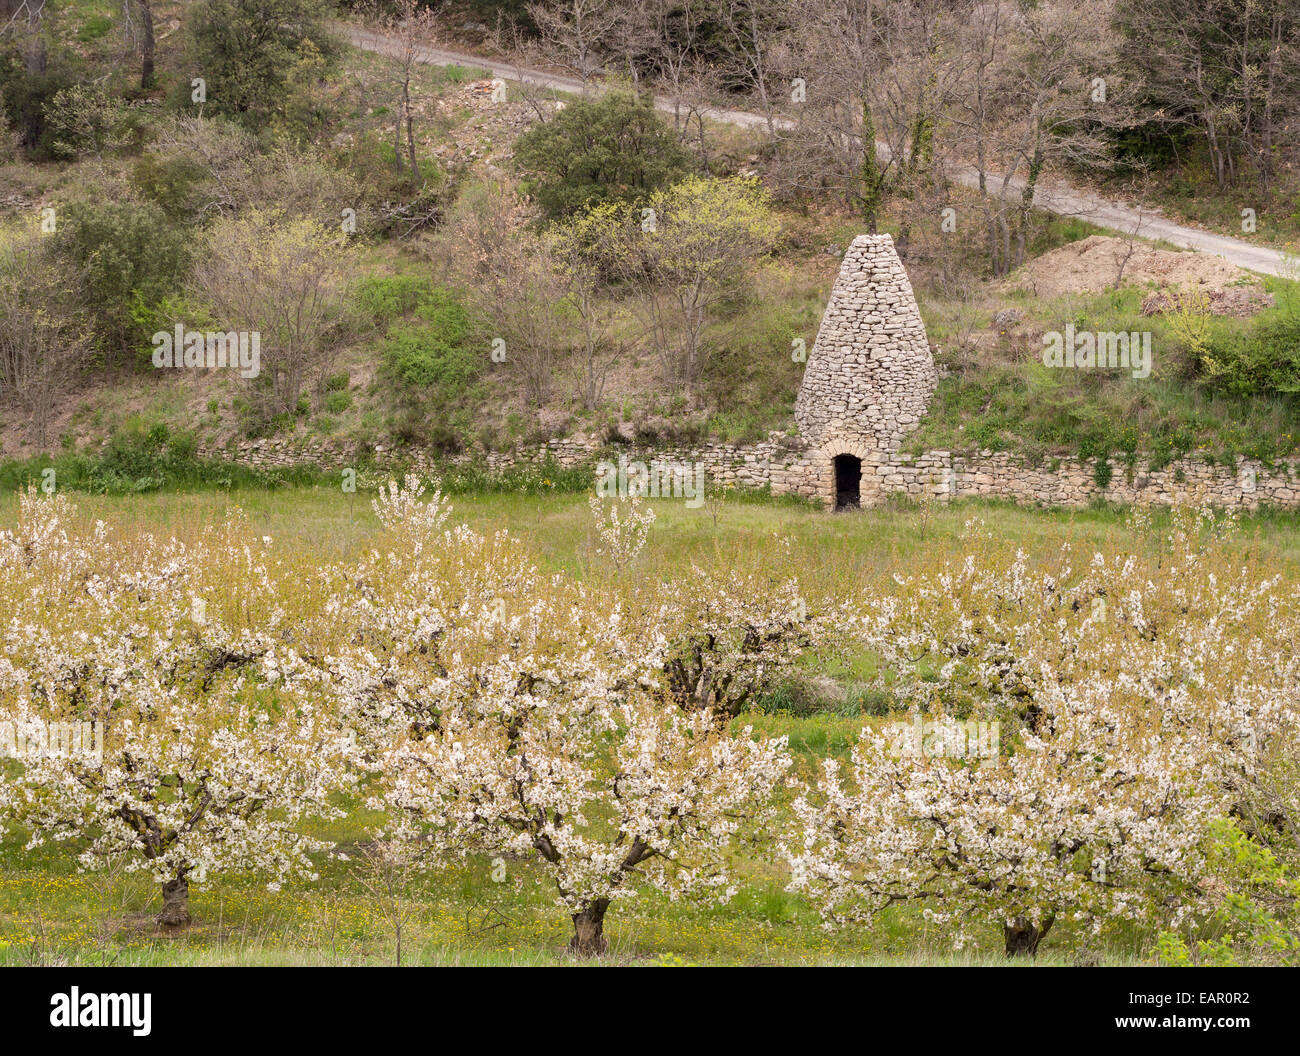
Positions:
{"x": 848, "y": 482}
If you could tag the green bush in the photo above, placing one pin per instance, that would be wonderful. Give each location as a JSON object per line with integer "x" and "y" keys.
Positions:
{"x": 1256, "y": 921}
{"x": 545, "y": 478}
{"x": 250, "y": 51}
{"x": 429, "y": 356}
{"x": 94, "y": 27}
{"x": 338, "y": 402}
{"x": 613, "y": 148}
{"x": 433, "y": 350}
{"x": 383, "y": 298}
{"x": 1262, "y": 360}
{"x": 173, "y": 182}
{"x": 1102, "y": 472}
{"x": 142, "y": 457}
{"x": 87, "y": 119}
{"x": 432, "y": 367}
{"x": 129, "y": 259}
{"x": 26, "y": 98}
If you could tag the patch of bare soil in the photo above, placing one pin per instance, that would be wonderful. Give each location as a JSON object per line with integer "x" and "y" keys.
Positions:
{"x": 1099, "y": 262}
{"x": 1238, "y": 301}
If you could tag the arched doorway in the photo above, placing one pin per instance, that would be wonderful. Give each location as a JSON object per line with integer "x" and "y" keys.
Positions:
{"x": 848, "y": 482}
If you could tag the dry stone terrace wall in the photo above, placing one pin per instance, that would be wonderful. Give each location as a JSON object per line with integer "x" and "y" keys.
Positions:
{"x": 866, "y": 387}
{"x": 780, "y": 462}
{"x": 1072, "y": 482}
{"x": 775, "y": 462}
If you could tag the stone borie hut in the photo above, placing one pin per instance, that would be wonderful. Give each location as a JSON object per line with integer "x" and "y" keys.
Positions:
{"x": 868, "y": 380}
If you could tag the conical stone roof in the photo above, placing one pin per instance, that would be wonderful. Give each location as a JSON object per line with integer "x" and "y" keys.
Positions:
{"x": 870, "y": 375}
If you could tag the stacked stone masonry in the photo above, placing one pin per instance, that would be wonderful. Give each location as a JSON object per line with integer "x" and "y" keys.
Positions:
{"x": 779, "y": 463}
{"x": 869, "y": 376}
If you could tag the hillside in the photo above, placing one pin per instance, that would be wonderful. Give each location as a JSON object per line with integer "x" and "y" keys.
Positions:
{"x": 464, "y": 313}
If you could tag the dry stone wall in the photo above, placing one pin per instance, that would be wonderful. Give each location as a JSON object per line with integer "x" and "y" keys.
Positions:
{"x": 775, "y": 463}
{"x": 780, "y": 463}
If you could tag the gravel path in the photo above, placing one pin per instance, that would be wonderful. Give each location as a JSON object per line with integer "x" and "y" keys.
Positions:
{"x": 1055, "y": 197}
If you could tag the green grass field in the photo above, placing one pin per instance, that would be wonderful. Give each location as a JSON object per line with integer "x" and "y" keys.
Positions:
{"x": 483, "y": 912}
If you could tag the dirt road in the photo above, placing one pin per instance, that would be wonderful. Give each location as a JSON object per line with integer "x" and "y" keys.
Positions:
{"x": 1055, "y": 197}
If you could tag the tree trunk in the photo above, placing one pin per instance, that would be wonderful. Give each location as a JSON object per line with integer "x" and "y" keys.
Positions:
{"x": 589, "y": 930}
{"x": 410, "y": 125}
{"x": 410, "y": 143}
{"x": 35, "y": 56}
{"x": 176, "y": 903}
{"x": 398, "y": 157}
{"x": 1022, "y": 937}
{"x": 870, "y": 174}
{"x": 146, "y": 45}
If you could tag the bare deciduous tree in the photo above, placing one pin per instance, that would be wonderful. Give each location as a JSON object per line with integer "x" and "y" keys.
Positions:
{"x": 387, "y": 869}
{"x": 413, "y": 25}
{"x": 1228, "y": 68}
{"x": 42, "y": 337}
{"x": 879, "y": 78}
{"x": 513, "y": 280}
{"x": 1041, "y": 87}
{"x": 676, "y": 30}
{"x": 286, "y": 279}
{"x": 576, "y": 249}
{"x": 579, "y": 35}
{"x": 141, "y": 37}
